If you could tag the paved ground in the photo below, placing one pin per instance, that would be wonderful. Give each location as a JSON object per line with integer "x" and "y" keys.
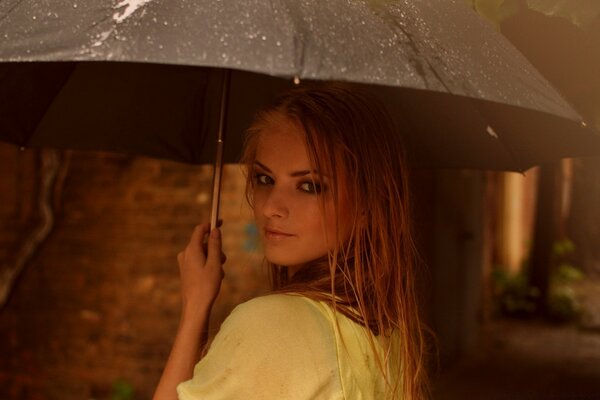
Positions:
{"x": 532, "y": 360}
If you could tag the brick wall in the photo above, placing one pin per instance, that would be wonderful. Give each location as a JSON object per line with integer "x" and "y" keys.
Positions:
{"x": 99, "y": 301}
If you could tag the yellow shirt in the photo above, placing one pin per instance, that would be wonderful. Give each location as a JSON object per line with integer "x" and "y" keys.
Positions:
{"x": 285, "y": 346}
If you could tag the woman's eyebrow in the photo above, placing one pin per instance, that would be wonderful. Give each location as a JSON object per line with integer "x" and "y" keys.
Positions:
{"x": 263, "y": 166}
{"x": 293, "y": 174}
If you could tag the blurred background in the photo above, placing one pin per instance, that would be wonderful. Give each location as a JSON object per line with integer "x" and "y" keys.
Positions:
{"x": 89, "y": 289}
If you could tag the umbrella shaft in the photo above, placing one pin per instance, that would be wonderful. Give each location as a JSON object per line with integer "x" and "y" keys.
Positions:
{"x": 218, "y": 171}
{"x": 218, "y": 167}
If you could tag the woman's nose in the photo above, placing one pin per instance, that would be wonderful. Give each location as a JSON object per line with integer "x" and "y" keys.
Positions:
{"x": 275, "y": 205}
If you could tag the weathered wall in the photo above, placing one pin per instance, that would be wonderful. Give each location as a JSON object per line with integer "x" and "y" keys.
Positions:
{"x": 99, "y": 301}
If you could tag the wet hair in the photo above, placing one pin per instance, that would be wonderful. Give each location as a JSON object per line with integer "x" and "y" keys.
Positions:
{"x": 371, "y": 275}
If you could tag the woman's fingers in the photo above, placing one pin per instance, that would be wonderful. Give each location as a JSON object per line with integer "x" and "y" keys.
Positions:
{"x": 200, "y": 267}
{"x": 198, "y": 234}
{"x": 214, "y": 247}
{"x": 207, "y": 251}
{"x": 196, "y": 247}
{"x": 223, "y": 255}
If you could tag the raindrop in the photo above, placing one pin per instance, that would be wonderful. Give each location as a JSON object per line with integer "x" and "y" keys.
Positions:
{"x": 75, "y": 5}
{"x": 278, "y": 43}
{"x": 296, "y": 80}
{"x": 34, "y": 17}
{"x": 165, "y": 23}
{"x": 263, "y": 37}
{"x": 491, "y": 132}
{"x": 584, "y": 124}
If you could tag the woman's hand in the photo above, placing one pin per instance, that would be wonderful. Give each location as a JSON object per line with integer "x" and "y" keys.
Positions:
{"x": 200, "y": 268}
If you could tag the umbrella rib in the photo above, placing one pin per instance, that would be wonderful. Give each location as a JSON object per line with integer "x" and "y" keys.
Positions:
{"x": 2, "y": 18}
{"x": 416, "y": 50}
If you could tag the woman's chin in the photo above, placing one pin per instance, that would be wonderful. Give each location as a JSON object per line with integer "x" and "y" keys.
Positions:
{"x": 285, "y": 260}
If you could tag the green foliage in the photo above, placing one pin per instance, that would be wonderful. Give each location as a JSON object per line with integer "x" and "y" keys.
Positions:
{"x": 563, "y": 248}
{"x": 581, "y": 13}
{"x": 563, "y": 305}
{"x": 122, "y": 390}
{"x": 562, "y": 302}
{"x": 514, "y": 297}
{"x": 566, "y": 274}
{"x": 495, "y": 11}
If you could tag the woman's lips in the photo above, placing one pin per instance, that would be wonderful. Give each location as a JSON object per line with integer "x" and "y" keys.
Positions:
{"x": 273, "y": 234}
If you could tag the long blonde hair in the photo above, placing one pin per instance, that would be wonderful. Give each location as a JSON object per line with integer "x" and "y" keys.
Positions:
{"x": 371, "y": 277}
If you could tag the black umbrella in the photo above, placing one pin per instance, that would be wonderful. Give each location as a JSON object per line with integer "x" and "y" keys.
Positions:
{"x": 147, "y": 76}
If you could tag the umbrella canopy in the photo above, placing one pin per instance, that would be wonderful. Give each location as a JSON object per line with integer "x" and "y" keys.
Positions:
{"x": 144, "y": 76}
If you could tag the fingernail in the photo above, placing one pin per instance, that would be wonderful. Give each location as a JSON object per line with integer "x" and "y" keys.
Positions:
{"x": 215, "y": 233}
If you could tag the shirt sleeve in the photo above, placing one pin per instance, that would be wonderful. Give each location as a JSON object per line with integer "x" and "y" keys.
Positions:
{"x": 272, "y": 347}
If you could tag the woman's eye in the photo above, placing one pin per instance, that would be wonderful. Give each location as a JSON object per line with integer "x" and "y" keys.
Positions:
{"x": 311, "y": 187}
{"x": 262, "y": 179}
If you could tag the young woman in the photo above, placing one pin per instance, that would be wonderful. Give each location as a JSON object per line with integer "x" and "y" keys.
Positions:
{"x": 328, "y": 186}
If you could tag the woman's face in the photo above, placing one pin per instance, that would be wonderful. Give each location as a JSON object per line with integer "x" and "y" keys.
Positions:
{"x": 287, "y": 192}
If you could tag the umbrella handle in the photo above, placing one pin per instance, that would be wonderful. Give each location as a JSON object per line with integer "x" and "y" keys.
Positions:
{"x": 218, "y": 166}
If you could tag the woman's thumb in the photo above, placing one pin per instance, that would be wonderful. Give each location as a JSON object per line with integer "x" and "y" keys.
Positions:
{"x": 214, "y": 246}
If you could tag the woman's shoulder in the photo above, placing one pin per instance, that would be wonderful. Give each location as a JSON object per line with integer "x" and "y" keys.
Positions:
{"x": 282, "y": 337}
{"x": 280, "y": 302}
{"x": 281, "y": 310}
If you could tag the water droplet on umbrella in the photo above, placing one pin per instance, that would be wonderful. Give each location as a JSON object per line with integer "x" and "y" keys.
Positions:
{"x": 491, "y": 132}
